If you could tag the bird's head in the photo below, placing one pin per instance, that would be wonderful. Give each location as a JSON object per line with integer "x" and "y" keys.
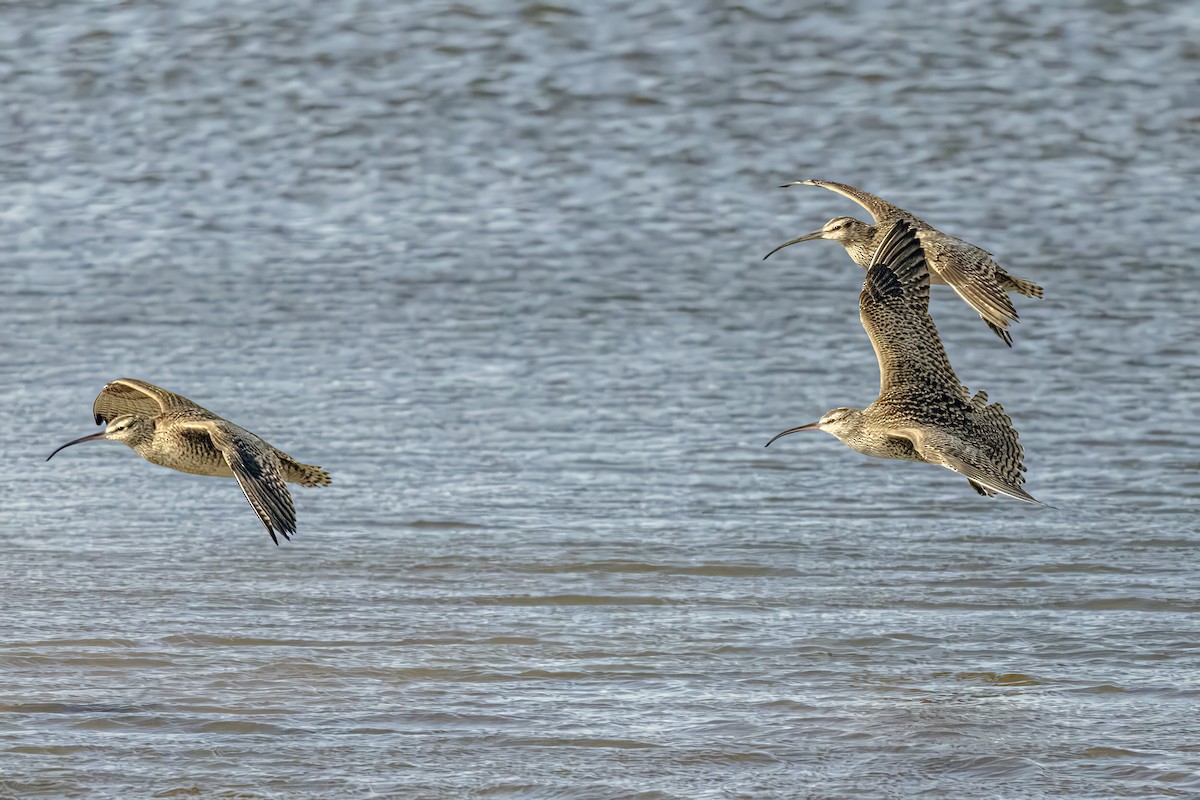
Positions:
{"x": 127, "y": 428}
{"x": 846, "y": 230}
{"x": 839, "y": 422}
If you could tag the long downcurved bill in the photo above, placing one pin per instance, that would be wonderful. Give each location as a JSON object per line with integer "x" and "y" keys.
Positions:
{"x": 808, "y": 237}
{"x": 812, "y": 426}
{"x": 93, "y": 437}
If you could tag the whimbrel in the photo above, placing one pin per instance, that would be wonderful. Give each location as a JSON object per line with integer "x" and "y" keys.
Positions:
{"x": 969, "y": 270}
{"x": 169, "y": 430}
{"x": 922, "y": 412}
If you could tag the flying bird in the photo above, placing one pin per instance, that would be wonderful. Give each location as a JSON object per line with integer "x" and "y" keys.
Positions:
{"x": 969, "y": 270}
{"x": 170, "y": 430}
{"x": 922, "y": 412}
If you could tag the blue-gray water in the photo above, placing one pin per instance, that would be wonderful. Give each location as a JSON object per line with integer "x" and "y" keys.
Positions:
{"x": 497, "y": 267}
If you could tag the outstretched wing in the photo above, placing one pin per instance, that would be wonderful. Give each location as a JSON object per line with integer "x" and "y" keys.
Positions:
{"x": 257, "y": 471}
{"x": 974, "y": 276}
{"x": 967, "y": 269}
{"x": 894, "y": 309}
{"x": 131, "y": 396}
{"x": 979, "y": 468}
{"x": 879, "y": 208}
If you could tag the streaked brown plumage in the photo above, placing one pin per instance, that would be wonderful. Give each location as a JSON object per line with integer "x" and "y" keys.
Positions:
{"x": 922, "y": 412}
{"x": 169, "y": 430}
{"x": 967, "y": 269}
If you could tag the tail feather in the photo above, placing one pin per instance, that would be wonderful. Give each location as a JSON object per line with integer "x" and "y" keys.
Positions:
{"x": 1001, "y": 439}
{"x": 303, "y": 474}
{"x": 1022, "y": 286}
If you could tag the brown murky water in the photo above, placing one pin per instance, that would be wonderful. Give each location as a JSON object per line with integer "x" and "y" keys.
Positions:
{"x": 496, "y": 266}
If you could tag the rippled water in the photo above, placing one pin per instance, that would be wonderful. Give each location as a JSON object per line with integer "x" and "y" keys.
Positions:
{"x": 497, "y": 267}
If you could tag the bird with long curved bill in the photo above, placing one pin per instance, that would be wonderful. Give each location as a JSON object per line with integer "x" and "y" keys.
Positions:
{"x": 969, "y": 270}
{"x": 169, "y": 430}
{"x": 922, "y": 412}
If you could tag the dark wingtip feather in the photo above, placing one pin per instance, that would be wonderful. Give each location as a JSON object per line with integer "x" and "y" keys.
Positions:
{"x": 1004, "y": 334}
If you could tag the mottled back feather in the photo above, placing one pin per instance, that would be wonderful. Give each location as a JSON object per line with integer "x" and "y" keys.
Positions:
{"x": 894, "y": 310}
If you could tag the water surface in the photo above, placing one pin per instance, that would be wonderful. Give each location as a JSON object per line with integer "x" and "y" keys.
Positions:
{"x": 497, "y": 267}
